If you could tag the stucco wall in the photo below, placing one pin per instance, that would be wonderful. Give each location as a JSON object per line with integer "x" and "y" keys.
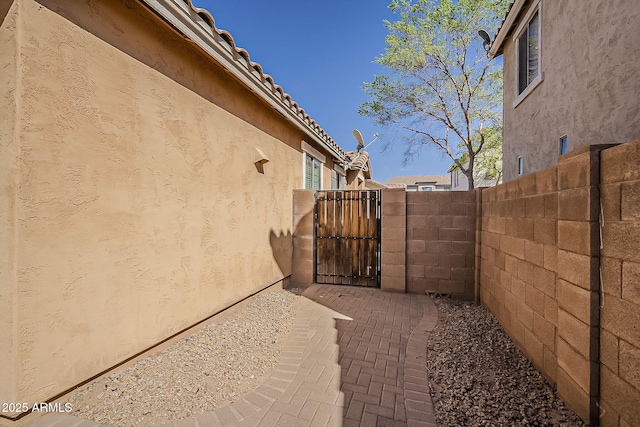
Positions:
{"x": 589, "y": 54}
{"x": 139, "y": 210}
{"x": 8, "y": 158}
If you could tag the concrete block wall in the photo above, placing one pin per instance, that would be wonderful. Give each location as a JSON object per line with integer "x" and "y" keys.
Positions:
{"x": 302, "y": 268}
{"x": 393, "y": 241}
{"x": 620, "y": 267}
{"x": 578, "y": 280}
{"x": 518, "y": 264}
{"x": 572, "y": 307}
{"x": 440, "y": 251}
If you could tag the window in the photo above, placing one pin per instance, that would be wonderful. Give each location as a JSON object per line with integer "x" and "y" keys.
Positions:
{"x": 342, "y": 182}
{"x": 527, "y": 46}
{"x": 426, "y": 188}
{"x": 338, "y": 180}
{"x": 529, "y": 53}
{"x": 312, "y": 173}
{"x": 564, "y": 145}
{"x": 520, "y": 165}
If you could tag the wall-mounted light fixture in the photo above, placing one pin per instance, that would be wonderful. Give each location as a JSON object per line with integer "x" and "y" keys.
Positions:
{"x": 260, "y": 159}
{"x": 486, "y": 40}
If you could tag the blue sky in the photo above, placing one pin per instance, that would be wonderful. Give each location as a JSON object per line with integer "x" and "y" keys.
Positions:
{"x": 321, "y": 52}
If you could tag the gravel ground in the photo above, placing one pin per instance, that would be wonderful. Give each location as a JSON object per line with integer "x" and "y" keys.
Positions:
{"x": 479, "y": 377}
{"x": 211, "y": 368}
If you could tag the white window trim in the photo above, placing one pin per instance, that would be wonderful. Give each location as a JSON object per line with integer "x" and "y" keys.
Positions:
{"x": 304, "y": 170}
{"x": 536, "y": 6}
{"x": 313, "y": 152}
{"x": 342, "y": 176}
{"x": 308, "y": 150}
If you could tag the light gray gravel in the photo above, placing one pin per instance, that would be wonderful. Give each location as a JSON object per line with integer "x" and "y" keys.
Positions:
{"x": 479, "y": 377}
{"x": 216, "y": 366}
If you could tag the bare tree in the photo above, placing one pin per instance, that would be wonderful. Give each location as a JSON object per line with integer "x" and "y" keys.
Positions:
{"x": 441, "y": 90}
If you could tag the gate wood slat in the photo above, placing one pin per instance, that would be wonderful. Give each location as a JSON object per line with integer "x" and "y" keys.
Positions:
{"x": 320, "y": 231}
{"x": 347, "y": 237}
{"x": 362, "y": 230}
{"x": 339, "y": 229}
{"x": 355, "y": 259}
{"x": 362, "y": 218}
{"x": 373, "y": 214}
{"x": 345, "y": 261}
{"x": 325, "y": 211}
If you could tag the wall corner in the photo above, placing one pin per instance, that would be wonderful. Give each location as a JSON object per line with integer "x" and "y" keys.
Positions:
{"x": 302, "y": 263}
{"x": 393, "y": 240}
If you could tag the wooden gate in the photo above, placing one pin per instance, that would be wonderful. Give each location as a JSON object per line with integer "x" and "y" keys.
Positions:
{"x": 347, "y": 237}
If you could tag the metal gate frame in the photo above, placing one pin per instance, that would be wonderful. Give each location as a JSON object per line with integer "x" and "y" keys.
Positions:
{"x": 346, "y": 234}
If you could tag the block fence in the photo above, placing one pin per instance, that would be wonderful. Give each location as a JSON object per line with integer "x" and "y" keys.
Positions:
{"x": 560, "y": 269}
{"x": 427, "y": 241}
{"x": 620, "y": 285}
{"x": 539, "y": 272}
{"x": 555, "y": 256}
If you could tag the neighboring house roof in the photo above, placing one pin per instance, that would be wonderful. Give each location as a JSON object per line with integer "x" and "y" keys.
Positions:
{"x": 508, "y": 23}
{"x": 373, "y": 184}
{"x": 426, "y": 179}
{"x": 199, "y": 26}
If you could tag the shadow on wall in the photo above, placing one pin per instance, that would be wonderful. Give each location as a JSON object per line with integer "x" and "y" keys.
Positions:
{"x": 282, "y": 248}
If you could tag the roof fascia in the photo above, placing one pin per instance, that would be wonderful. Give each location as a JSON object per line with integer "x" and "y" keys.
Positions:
{"x": 509, "y": 22}
{"x": 190, "y": 24}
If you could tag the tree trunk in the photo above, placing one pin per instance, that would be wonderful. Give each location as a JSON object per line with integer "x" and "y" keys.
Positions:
{"x": 469, "y": 173}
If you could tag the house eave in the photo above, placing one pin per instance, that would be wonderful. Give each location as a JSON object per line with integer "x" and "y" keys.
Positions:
{"x": 219, "y": 45}
{"x": 506, "y": 27}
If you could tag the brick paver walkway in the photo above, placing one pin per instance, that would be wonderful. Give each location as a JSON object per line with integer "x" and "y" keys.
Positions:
{"x": 382, "y": 354}
{"x": 355, "y": 357}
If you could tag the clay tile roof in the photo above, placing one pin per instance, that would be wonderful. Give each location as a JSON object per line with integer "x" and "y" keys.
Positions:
{"x": 202, "y": 20}
{"x": 358, "y": 160}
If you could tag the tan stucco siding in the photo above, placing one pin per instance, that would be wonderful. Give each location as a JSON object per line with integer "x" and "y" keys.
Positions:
{"x": 8, "y": 160}
{"x": 589, "y": 57}
{"x": 139, "y": 208}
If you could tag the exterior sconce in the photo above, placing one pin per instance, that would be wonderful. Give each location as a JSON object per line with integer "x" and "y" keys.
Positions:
{"x": 260, "y": 159}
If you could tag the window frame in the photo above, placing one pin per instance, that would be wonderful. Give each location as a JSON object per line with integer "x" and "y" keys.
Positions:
{"x": 338, "y": 178}
{"x": 520, "y": 164}
{"x": 536, "y": 7}
{"x": 309, "y": 152}
{"x": 310, "y": 160}
{"x": 563, "y": 142}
